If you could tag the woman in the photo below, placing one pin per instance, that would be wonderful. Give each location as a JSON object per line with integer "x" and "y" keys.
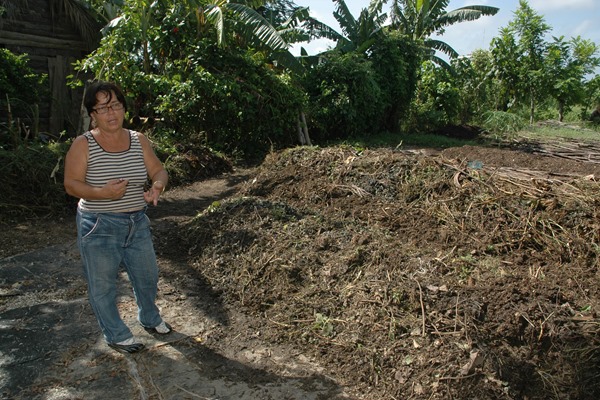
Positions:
{"x": 107, "y": 168}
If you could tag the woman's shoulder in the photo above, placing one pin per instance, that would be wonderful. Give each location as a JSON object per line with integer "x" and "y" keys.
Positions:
{"x": 139, "y": 136}
{"x": 85, "y": 137}
{"x": 136, "y": 135}
{"x": 81, "y": 142}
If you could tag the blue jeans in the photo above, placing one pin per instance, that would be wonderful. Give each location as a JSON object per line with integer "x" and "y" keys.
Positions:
{"x": 107, "y": 241}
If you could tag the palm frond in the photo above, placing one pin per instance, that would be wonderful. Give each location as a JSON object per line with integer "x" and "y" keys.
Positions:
{"x": 259, "y": 26}
{"x": 364, "y": 46}
{"x": 468, "y": 13}
{"x": 292, "y": 30}
{"x": 442, "y": 63}
{"x": 287, "y": 60}
{"x": 399, "y": 20}
{"x": 299, "y": 15}
{"x": 436, "y": 8}
{"x": 441, "y": 46}
{"x": 380, "y": 20}
{"x": 376, "y": 6}
{"x": 344, "y": 18}
{"x": 317, "y": 29}
{"x": 252, "y": 3}
{"x": 214, "y": 14}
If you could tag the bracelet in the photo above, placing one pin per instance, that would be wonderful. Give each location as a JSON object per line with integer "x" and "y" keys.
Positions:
{"x": 163, "y": 185}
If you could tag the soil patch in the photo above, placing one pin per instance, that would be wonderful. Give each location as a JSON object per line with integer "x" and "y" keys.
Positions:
{"x": 469, "y": 272}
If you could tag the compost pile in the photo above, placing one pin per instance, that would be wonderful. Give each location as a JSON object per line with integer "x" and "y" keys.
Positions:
{"x": 416, "y": 277}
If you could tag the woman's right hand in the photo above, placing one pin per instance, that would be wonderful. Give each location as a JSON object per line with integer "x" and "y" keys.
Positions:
{"x": 115, "y": 188}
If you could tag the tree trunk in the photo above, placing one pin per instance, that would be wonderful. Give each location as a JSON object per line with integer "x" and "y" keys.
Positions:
{"x": 531, "y": 108}
{"x": 303, "y": 130}
{"x": 561, "y": 111}
{"x": 146, "y": 57}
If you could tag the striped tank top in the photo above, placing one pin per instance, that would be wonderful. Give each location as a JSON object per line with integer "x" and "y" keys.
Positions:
{"x": 104, "y": 166}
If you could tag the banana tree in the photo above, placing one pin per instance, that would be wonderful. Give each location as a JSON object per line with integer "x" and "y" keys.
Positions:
{"x": 422, "y": 18}
{"x": 358, "y": 34}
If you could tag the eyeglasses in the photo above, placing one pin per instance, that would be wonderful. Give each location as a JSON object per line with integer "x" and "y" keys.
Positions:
{"x": 113, "y": 106}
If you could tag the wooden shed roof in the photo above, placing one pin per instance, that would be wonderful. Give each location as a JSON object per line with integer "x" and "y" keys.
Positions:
{"x": 15, "y": 29}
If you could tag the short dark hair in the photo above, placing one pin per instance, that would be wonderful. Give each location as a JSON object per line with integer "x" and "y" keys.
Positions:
{"x": 108, "y": 88}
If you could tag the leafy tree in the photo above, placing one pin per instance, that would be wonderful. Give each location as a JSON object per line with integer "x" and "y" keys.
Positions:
{"x": 506, "y": 69}
{"x": 473, "y": 81}
{"x": 359, "y": 34}
{"x": 592, "y": 92}
{"x": 241, "y": 16}
{"x": 422, "y": 18}
{"x": 568, "y": 63}
{"x": 232, "y": 101}
{"x": 154, "y": 33}
{"x": 530, "y": 29}
{"x": 169, "y": 59}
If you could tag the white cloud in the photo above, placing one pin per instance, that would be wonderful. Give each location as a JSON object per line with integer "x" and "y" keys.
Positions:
{"x": 471, "y": 2}
{"x": 553, "y": 5}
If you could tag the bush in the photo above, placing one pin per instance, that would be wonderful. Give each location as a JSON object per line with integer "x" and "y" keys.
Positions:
{"x": 186, "y": 158}
{"x": 395, "y": 60}
{"x": 21, "y": 89}
{"x": 344, "y": 98}
{"x": 33, "y": 180}
{"x": 436, "y": 103}
{"x": 503, "y": 124}
{"x": 238, "y": 105}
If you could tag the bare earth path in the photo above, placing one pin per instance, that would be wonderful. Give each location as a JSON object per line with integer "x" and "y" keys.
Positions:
{"x": 51, "y": 349}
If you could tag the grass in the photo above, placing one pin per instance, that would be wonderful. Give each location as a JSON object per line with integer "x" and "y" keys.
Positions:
{"x": 572, "y": 131}
{"x": 586, "y": 132}
{"x": 402, "y": 140}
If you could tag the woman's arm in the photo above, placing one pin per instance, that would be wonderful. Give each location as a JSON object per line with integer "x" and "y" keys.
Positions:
{"x": 156, "y": 171}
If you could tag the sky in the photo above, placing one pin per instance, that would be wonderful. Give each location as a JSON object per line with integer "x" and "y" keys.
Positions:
{"x": 568, "y": 18}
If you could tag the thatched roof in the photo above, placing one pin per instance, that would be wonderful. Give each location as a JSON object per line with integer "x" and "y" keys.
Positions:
{"x": 82, "y": 18}
{"x": 78, "y": 14}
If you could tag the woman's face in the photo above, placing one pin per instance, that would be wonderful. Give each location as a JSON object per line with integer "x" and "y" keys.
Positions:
{"x": 108, "y": 116}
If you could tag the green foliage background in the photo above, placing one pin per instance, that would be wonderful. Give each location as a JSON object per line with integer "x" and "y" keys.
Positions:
{"x": 20, "y": 92}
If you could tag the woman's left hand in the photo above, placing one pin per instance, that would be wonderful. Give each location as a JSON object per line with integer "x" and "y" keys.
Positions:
{"x": 152, "y": 195}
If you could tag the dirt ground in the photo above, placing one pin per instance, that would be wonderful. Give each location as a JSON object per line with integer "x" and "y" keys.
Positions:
{"x": 327, "y": 273}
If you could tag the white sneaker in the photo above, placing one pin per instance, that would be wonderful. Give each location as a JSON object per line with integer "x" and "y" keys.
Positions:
{"x": 127, "y": 342}
{"x": 163, "y": 328}
{"x": 127, "y": 346}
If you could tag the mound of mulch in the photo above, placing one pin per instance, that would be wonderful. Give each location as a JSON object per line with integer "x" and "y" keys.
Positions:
{"x": 415, "y": 277}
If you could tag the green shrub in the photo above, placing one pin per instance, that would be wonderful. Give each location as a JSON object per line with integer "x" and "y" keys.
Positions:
{"x": 503, "y": 124}
{"x": 33, "y": 179}
{"x": 344, "y": 98}
{"x": 436, "y": 102}
{"x": 186, "y": 158}
{"x": 233, "y": 103}
{"x": 20, "y": 90}
{"x": 395, "y": 60}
